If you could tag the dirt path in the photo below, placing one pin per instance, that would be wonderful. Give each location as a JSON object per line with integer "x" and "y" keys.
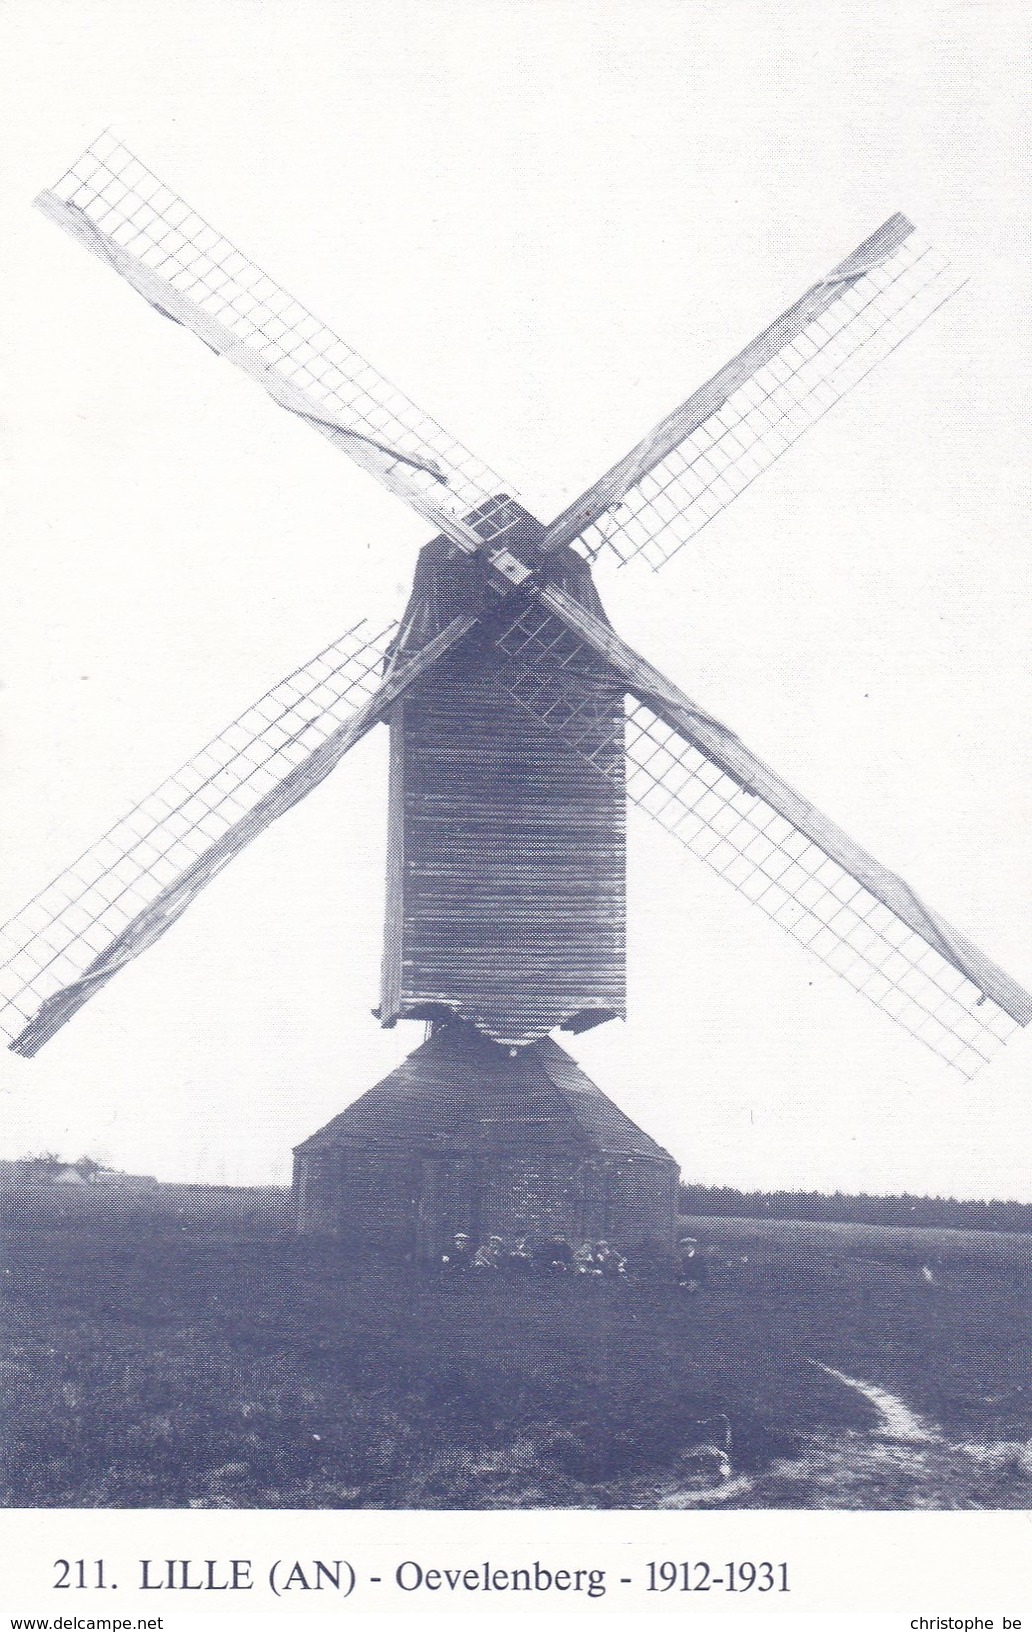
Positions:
{"x": 897, "y": 1419}
{"x": 902, "y": 1462}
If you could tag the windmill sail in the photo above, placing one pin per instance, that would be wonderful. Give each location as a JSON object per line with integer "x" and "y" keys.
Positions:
{"x": 684, "y": 767}
{"x": 124, "y": 892}
{"x": 693, "y": 464}
{"x": 697, "y": 779}
{"x": 117, "y": 208}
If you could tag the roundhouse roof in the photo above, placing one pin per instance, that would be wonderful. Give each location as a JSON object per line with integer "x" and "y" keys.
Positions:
{"x": 461, "y": 1092}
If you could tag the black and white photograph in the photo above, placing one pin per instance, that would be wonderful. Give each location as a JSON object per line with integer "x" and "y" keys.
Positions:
{"x": 515, "y": 822}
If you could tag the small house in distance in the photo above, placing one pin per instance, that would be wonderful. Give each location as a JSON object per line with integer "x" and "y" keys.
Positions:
{"x": 470, "y": 1135}
{"x": 85, "y": 1173}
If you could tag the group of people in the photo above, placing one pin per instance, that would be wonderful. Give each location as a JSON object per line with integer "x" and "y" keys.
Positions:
{"x": 557, "y": 1255}
{"x": 553, "y": 1256}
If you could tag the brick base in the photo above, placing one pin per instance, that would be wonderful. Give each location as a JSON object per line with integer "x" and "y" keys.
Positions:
{"x": 469, "y": 1136}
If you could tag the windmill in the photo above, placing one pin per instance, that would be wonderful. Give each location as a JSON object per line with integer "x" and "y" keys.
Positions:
{"x": 520, "y": 723}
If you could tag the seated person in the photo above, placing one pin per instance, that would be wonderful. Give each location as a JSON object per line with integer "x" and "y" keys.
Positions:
{"x": 489, "y": 1256}
{"x": 557, "y": 1258}
{"x": 584, "y": 1260}
{"x": 520, "y": 1257}
{"x": 609, "y": 1261}
{"x": 457, "y": 1258}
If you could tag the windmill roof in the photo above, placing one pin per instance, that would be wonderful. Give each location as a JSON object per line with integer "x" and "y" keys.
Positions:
{"x": 449, "y": 583}
{"x": 461, "y": 1091}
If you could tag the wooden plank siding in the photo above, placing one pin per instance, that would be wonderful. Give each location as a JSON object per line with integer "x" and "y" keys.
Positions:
{"x": 506, "y": 902}
{"x": 506, "y": 851}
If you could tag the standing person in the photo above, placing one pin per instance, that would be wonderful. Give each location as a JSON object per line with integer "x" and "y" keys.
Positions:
{"x": 692, "y": 1271}
{"x": 456, "y": 1259}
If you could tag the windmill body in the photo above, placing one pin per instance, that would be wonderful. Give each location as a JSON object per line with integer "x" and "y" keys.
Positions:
{"x": 506, "y": 850}
{"x": 506, "y": 910}
{"x": 521, "y": 725}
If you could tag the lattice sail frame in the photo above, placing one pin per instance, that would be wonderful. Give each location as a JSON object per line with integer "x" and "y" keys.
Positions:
{"x": 760, "y": 852}
{"x": 694, "y": 464}
{"x": 53, "y": 952}
{"x": 113, "y": 204}
{"x": 668, "y": 488}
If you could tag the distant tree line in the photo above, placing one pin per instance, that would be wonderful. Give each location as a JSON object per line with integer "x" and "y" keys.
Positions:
{"x": 810, "y": 1206}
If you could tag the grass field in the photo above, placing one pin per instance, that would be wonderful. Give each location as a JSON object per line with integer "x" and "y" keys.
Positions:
{"x": 168, "y": 1362}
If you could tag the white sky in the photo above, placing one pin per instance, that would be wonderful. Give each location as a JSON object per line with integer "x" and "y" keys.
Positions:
{"x": 548, "y": 223}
